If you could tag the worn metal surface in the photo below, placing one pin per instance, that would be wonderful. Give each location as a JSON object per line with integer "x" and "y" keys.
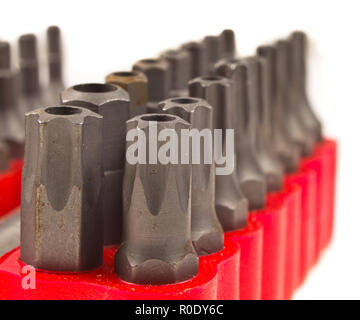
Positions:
{"x": 9, "y": 232}
{"x": 5, "y": 57}
{"x": 287, "y": 150}
{"x": 157, "y": 247}
{"x": 112, "y": 102}
{"x": 198, "y": 58}
{"x": 136, "y": 85}
{"x": 158, "y": 74}
{"x": 61, "y": 218}
{"x": 250, "y": 174}
{"x": 206, "y": 232}
{"x": 230, "y": 203}
{"x": 227, "y": 44}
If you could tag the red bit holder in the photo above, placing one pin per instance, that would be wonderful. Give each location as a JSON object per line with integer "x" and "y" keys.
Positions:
{"x": 278, "y": 247}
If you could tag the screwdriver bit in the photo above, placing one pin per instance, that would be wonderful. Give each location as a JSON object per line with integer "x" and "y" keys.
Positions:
{"x": 259, "y": 102}
{"x": 29, "y": 72}
{"x": 112, "y": 102}
{"x": 206, "y": 232}
{"x": 313, "y": 125}
{"x": 212, "y": 52}
{"x": 56, "y": 84}
{"x": 157, "y": 246}
{"x": 230, "y": 203}
{"x": 4, "y": 156}
{"x": 136, "y": 85}
{"x": 250, "y": 174}
{"x": 5, "y": 61}
{"x": 9, "y": 233}
{"x": 61, "y": 218}
{"x": 198, "y": 57}
{"x": 294, "y": 127}
{"x": 180, "y": 68}
{"x": 158, "y": 74}
{"x": 227, "y": 44}
{"x": 11, "y": 126}
{"x": 287, "y": 151}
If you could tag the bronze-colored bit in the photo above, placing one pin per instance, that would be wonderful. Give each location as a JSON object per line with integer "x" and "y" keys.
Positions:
{"x": 250, "y": 175}
{"x": 230, "y": 203}
{"x": 294, "y": 127}
{"x": 158, "y": 74}
{"x": 112, "y": 102}
{"x": 287, "y": 150}
{"x": 227, "y": 44}
{"x": 206, "y": 232}
{"x": 5, "y": 59}
{"x": 198, "y": 58}
{"x": 136, "y": 85}
{"x": 212, "y": 52}
{"x": 61, "y": 216}
{"x": 157, "y": 246}
{"x": 259, "y": 102}
{"x": 180, "y": 70}
{"x": 306, "y": 113}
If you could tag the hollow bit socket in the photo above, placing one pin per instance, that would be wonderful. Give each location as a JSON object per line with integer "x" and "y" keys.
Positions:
{"x": 212, "y": 52}
{"x": 227, "y": 44}
{"x": 112, "y": 102}
{"x": 230, "y": 203}
{"x": 206, "y": 232}
{"x": 287, "y": 151}
{"x": 307, "y": 115}
{"x": 259, "y": 102}
{"x": 295, "y": 128}
{"x": 250, "y": 175}
{"x": 198, "y": 57}
{"x": 5, "y": 61}
{"x": 61, "y": 218}
{"x": 180, "y": 68}
{"x": 136, "y": 85}
{"x": 157, "y": 246}
{"x": 158, "y": 74}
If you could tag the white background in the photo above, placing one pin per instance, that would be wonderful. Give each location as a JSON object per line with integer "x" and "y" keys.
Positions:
{"x": 105, "y": 36}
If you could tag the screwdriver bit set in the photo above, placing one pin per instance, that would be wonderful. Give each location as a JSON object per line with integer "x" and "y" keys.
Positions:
{"x": 103, "y": 217}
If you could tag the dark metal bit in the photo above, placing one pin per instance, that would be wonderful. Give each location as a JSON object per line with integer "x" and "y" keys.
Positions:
{"x": 112, "y": 102}
{"x": 9, "y": 232}
{"x": 158, "y": 74}
{"x": 157, "y": 247}
{"x": 227, "y": 44}
{"x": 5, "y": 59}
{"x": 306, "y": 113}
{"x": 250, "y": 175}
{"x": 61, "y": 212}
{"x": 230, "y": 203}
{"x": 4, "y": 156}
{"x": 206, "y": 232}
{"x": 212, "y": 52}
{"x": 287, "y": 150}
{"x": 136, "y": 85}
{"x": 198, "y": 58}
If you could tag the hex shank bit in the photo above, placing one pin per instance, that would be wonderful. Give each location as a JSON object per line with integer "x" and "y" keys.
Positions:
{"x": 227, "y": 44}
{"x": 158, "y": 74}
{"x": 206, "y": 231}
{"x": 198, "y": 56}
{"x": 112, "y": 102}
{"x": 230, "y": 203}
{"x": 5, "y": 61}
{"x": 157, "y": 246}
{"x": 306, "y": 113}
{"x": 250, "y": 175}
{"x": 136, "y": 85}
{"x": 61, "y": 219}
{"x": 286, "y": 149}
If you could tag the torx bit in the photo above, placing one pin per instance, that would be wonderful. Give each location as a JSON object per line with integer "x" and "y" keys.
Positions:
{"x": 9, "y": 232}
{"x": 56, "y": 84}
{"x": 136, "y": 85}
{"x": 61, "y": 212}
{"x": 293, "y": 125}
{"x": 180, "y": 68}
{"x": 306, "y": 113}
{"x": 158, "y": 74}
{"x": 227, "y": 44}
{"x": 212, "y": 53}
{"x": 5, "y": 60}
{"x": 288, "y": 152}
{"x": 230, "y": 203}
{"x": 112, "y": 102}
{"x": 259, "y": 102}
{"x": 198, "y": 57}
{"x": 206, "y": 232}
{"x": 250, "y": 175}
{"x": 157, "y": 247}
{"x": 29, "y": 72}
